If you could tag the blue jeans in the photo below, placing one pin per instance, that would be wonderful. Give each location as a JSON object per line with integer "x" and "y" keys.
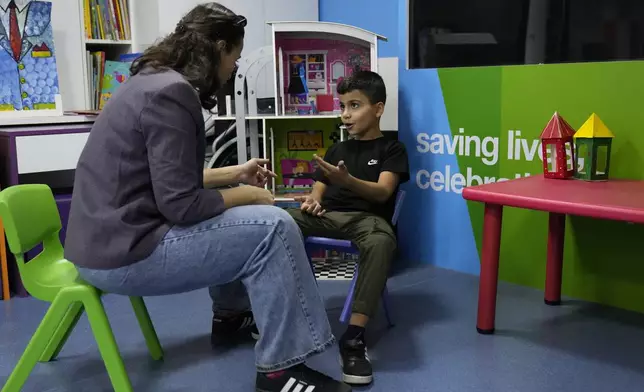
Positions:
{"x": 259, "y": 246}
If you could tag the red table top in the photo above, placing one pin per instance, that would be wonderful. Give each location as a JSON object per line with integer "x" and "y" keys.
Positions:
{"x": 621, "y": 200}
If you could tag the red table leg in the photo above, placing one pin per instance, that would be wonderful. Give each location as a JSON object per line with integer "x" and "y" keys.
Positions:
{"x": 489, "y": 268}
{"x": 554, "y": 263}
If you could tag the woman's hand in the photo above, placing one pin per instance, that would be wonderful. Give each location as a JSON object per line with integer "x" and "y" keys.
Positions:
{"x": 254, "y": 173}
{"x": 244, "y": 195}
{"x": 261, "y": 196}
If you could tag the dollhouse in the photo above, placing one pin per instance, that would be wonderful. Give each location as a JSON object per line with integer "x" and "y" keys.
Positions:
{"x": 312, "y": 58}
{"x": 309, "y": 59}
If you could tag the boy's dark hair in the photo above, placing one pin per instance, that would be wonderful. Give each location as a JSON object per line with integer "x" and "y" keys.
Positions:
{"x": 192, "y": 48}
{"x": 367, "y": 82}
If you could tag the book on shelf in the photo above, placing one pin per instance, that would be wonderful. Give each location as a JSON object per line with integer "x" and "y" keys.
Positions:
{"x": 95, "y": 67}
{"x": 107, "y": 20}
{"x": 105, "y": 77}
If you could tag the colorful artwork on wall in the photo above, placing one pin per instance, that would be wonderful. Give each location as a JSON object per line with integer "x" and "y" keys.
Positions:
{"x": 28, "y": 73}
{"x": 305, "y": 140}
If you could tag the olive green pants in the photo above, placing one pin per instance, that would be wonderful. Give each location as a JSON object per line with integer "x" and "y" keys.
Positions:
{"x": 375, "y": 239}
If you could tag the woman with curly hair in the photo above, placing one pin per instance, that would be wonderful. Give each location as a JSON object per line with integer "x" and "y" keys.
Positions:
{"x": 147, "y": 219}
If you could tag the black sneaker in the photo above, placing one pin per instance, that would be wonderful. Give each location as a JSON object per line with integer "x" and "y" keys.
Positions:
{"x": 356, "y": 367}
{"x": 229, "y": 329}
{"x": 299, "y": 378}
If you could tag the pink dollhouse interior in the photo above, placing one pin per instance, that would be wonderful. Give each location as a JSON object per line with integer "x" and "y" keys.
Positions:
{"x": 312, "y": 68}
{"x": 297, "y": 173}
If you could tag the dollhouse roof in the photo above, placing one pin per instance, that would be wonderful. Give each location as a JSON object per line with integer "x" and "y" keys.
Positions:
{"x": 557, "y": 128}
{"x": 593, "y": 128}
{"x": 324, "y": 27}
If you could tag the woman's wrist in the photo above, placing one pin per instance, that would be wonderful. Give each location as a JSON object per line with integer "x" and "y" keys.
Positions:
{"x": 237, "y": 196}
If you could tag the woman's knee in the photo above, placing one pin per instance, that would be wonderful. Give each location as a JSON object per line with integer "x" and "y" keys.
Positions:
{"x": 285, "y": 220}
{"x": 272, "y": 215}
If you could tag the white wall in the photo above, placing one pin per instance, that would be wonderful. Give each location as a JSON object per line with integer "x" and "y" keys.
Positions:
{"x": 145, "y": 32}
{"x": 258, "y": 12}
{"x": 388, "y": 69}
{"x": 66, "y": 24}
{"x": 258, "y": 33}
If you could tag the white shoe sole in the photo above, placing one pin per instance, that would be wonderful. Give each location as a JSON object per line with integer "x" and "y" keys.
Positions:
{"x": 355, "y": 380}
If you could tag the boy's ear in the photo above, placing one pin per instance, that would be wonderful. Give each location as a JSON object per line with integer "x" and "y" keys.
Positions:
{"x": 380, "y": 109}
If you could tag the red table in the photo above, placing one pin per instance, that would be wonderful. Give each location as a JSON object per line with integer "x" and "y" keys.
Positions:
{"x": 619, "y": 200}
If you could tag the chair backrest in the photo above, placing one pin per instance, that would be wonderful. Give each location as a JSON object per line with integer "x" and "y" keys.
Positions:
{"x": 30, "y": 217}
{"x": 400, "y": 198}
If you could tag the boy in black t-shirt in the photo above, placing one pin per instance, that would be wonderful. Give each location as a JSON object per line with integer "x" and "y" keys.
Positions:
{"x": 353, "y": 198}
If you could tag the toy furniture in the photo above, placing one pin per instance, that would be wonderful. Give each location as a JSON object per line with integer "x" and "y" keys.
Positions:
{"x": 30, "y": 215}
{"x": 42, "y": 150}
{"x": 347, "y": 246}
{"x": 612, "y": 200}
{"x": 558, "y": 149}
{"x": 593, "y": 144}
{"x": 297, "y": 172}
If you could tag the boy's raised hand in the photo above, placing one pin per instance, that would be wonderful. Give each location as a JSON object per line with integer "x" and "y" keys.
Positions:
{"x": 338, "y": 175}
{"x": 310, "y": 205}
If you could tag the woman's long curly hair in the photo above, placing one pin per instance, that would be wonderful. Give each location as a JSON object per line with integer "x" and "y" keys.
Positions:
{"x": 192, "y": 48}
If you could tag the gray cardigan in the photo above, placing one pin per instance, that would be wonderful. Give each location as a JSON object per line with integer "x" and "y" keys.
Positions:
{"x": 140, "y": 173}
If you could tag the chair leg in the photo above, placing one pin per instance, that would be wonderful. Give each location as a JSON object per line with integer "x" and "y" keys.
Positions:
{"x": 39, "y": 341}
{"x": 309, "y": 249}
{"x": 385, "y": 305}
{"x": 150, "y": 335}
{"x": 346, "y": 310}
{"x": 107, "y": 343}
{"x": 62, "y": 333}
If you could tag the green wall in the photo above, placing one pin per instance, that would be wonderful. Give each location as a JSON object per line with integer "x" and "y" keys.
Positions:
{"x": 604, "y": 261}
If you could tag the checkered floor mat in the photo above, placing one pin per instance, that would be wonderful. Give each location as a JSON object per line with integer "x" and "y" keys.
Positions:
{"x": 334, "y": 269}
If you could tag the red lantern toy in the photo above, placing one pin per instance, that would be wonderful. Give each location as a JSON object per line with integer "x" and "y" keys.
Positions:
{"x": 558, "y": 149}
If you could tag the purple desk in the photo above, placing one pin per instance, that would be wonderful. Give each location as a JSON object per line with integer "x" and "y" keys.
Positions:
{"x": 42, "y": 151}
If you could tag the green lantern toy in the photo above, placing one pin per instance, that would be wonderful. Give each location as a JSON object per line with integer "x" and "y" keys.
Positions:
{"x": 593, "y": 145}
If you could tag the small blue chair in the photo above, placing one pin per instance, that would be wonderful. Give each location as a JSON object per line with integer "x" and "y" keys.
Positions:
{"x": 348, "y": 247}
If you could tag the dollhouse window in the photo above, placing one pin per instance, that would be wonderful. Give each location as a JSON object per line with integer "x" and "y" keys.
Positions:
{"x": 337, "y": 69}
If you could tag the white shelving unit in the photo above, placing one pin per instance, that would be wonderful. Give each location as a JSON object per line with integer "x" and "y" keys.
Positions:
{"x": 143, "y": 32}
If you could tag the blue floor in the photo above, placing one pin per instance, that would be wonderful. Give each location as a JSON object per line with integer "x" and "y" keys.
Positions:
{"x": 433, "y": 347}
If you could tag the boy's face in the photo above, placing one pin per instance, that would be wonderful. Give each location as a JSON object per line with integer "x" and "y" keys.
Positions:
{"x": 358, "y": 114}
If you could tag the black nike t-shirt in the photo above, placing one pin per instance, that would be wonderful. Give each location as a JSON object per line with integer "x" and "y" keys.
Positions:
{"x": 365, "y": 160}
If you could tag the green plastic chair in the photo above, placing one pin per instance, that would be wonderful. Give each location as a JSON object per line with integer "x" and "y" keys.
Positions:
{"x": 31, "y": 217}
